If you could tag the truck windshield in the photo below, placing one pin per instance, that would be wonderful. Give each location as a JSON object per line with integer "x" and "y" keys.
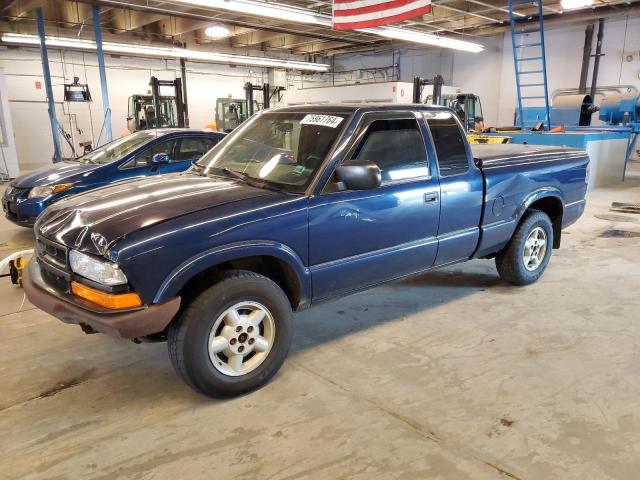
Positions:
{"x": 284, "y": 149}
{"x": 118, "y": 148}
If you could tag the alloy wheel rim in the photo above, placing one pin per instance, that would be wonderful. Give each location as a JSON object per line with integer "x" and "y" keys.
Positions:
{"x": 241, "y": 338}
{"x": 535, "y": 248}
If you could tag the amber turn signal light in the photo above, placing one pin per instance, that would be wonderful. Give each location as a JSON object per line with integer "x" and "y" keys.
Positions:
{"x": 61, "y": 187}
{"x": 113, "y": 301}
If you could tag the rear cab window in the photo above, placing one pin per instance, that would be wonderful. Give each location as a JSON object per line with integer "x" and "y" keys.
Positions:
{"x": 448, "y": 142}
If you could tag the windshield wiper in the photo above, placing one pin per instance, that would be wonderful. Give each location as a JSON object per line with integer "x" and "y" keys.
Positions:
{"x": 235, "y": 174}
{"x": 248, "y": 179}
{"x": 197, "y": 168}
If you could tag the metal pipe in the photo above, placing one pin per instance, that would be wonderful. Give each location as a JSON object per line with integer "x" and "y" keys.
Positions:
{"x": 453, "y": 9}
{"x": 97, "y": 28}
{"x": 57, "y": 154}
{"x": 602, "y": 89}
{"x": 586, "y": 58}
{"x": 596, "y": 62}
{"x": 185, "y": 106}
{"x": 487, "y": 5}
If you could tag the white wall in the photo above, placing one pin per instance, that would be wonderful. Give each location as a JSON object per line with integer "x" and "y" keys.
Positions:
{"x": 125, "y": 76}
{"x": 480, "y": 73}
{"x": 8, "y": 156}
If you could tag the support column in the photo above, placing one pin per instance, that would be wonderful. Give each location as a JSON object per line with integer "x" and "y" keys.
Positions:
{"x": 57, "y": 154}
{"x": 97, "y": 28}
{"x": 185, "y": 101}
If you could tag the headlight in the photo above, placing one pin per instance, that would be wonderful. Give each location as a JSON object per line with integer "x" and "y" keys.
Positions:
{"x": 103, "y": 272}
{"x": 41, "y": 192}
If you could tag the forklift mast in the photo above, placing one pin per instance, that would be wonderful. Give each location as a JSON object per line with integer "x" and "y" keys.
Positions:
{"x": 267, "y": 93}
{"x": 155, "y": 84}
{"x": 419, "y": 84}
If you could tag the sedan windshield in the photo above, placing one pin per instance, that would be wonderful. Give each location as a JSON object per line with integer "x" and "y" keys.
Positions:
{"x": 118, "y": 148}
{"x": 279, "y": 149}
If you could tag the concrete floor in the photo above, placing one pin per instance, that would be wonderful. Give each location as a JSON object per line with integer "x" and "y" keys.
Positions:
{"x": 451, "y": 375}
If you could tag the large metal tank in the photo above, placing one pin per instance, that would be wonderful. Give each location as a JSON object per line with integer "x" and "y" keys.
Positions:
{"x": 619, "y": 108}
{"x": 572, "y": 110}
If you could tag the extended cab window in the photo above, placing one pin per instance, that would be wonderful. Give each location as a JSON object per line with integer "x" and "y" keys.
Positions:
{"x": 448, "y": 142}
{"x": 396, "y": 146}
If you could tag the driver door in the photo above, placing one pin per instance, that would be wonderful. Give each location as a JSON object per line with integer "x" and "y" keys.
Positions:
{"x": 358, "y": 239}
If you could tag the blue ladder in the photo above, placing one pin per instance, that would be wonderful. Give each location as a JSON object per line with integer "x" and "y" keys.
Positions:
{"x": 530, "y": 66}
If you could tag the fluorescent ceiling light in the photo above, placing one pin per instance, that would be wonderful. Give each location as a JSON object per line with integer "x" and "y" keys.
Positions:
{"x": 425, "y": 38}
{"x": 216, "y": 31}
{"x": 262, "y": 9}
{"x": 572, "y": 4}
{"x": 299, "y": 15}
{"x": 164, "y": 52}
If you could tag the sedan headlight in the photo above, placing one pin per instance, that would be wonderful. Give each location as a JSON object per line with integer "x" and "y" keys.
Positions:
{"x": 103, "y": 272}
{"x": 41, "y": 192}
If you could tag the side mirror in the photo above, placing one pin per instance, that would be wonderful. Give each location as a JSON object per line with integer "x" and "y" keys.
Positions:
{"x": 159, "y": 159}
{"x": 359, "y": 175}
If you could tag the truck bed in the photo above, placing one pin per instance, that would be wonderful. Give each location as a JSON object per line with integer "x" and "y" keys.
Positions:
{"x": 492, "y": 156}
{"x": 514, "y": 174}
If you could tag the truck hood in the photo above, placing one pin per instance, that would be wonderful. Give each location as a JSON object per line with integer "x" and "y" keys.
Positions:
{"x": 59, "y": 173}
{"x": 93, "y": 221}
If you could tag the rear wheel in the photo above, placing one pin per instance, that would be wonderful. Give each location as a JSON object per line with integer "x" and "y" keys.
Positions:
{"x": 527, "y": 254}
{"x": 233, "y": 337}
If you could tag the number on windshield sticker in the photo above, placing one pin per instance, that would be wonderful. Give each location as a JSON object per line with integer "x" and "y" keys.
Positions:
{"x": 323, "y": 120}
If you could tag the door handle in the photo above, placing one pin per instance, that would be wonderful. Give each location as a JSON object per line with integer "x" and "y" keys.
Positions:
{"x": 431, "y": 197}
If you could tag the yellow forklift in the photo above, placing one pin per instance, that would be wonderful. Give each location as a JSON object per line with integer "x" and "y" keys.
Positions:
{"x": 467, "y": 107}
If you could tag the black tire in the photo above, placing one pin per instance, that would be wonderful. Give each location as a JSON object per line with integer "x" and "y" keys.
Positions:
{"x": 188, "y": 334}
{"x": 510, "y": 262}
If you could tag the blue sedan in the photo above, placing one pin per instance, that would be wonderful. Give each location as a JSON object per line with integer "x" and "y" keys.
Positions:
{"x": 138, "y": 155}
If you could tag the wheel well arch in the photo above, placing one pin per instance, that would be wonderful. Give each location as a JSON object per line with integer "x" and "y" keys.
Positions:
{"x": 272, "y": 267}
{"x": 553, "y": 207}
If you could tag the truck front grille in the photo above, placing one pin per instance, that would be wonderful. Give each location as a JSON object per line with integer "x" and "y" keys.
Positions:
{"x": 54, "y": 262}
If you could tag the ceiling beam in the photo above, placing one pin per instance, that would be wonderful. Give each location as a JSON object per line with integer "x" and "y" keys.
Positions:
{"x": 289, "y": 41}
{"x": 318, "y": 46}
{"x": 254, "y": 38}
{"x": 18, "y": 9}
{"x": 176, "y": 26}
{"x": 128, "y": 20}
{"x": 74, "y": 13}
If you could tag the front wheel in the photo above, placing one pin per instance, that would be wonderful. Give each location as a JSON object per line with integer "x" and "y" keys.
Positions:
{"x": 527, "y": 254}
{"x": 233, "y": 337}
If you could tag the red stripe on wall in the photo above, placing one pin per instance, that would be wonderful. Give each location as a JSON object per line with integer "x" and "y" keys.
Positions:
{"x": 381, "y": 21}
{"x": 372, "y": 8}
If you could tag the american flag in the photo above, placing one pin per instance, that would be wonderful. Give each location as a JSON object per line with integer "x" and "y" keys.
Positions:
{"x": 353, "y": 14}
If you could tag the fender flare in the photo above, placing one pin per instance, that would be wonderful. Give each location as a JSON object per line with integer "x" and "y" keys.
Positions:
{"x": 538, "y": 194}
{"x": 180, "y": 275}
{"x": 545, "y": 192}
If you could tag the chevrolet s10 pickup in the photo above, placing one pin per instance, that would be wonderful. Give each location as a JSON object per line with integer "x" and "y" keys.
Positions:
{"x": 297, "y": 206}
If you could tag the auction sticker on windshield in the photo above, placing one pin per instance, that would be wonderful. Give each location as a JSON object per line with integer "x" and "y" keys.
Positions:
{"x": 324, "y": 120}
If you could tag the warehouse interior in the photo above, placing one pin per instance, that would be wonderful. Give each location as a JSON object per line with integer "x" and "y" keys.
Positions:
{"x": 467, "y": 367}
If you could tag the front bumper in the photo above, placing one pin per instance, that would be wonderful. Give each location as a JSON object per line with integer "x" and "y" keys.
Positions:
{"x": 23, "y": 212}
{"x": 70, "y": 309}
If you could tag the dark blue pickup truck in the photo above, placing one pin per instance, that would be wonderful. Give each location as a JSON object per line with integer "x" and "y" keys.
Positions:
{"x": 297, "y": 206}
{"x": 138, "y": 155}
